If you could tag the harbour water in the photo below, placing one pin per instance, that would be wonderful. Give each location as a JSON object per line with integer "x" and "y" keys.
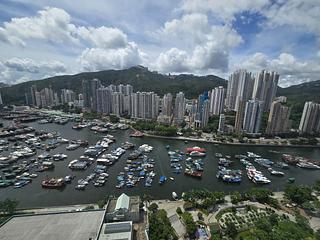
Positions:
{"x": 33, "y": 195}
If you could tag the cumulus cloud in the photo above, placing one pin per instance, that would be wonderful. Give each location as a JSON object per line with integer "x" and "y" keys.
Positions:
{"x": 16, "y": 70}
{"x": 102, "y": 47}
{"x": 103, "y": 37}
{"x": 29, "y": 65}
{"x": 50, "y": 24}
{"x": 302, "y": 15}
{"x": 224, "y": 11}
{"x": 291, "y": 69}
{"x": 205, "y": 46}
{"x": 94, "y": 59}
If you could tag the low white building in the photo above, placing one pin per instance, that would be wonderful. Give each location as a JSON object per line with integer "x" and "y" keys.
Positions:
{"x": 123, "y": 208}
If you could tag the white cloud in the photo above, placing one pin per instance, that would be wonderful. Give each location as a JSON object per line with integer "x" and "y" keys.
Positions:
{"x": 102, "y": 47}
{"x": 173, "y": 60}
{"x": 302, "y": 15}
{"x": 103, "y": 37}
{"x": 291, "y": 69}
{"x": 195, "y": 29}
{"x": 223, "y": 10}
{"x": 200, "y": 45}
{"x": 29, "y": 65}
{"x": 95, "y": 59}
{"x": 16, "y": 70}
{"x": 50, "y": 24}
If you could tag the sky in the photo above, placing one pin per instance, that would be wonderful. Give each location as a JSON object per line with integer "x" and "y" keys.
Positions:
{"x": 43, "y": 38}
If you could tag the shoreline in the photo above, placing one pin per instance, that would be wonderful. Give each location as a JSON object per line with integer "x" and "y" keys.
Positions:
{"x": 221, "y": 143}
{"x": 79, "y": 205}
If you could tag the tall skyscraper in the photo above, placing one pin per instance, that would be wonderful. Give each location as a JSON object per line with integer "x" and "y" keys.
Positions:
{"x": 104, "y": 104}
{"x": 86, "y": 93}
{"x": 265, "y": 87}
{"x": 216, "y": 100}
{"x": 166, "y": 108}
{"x": 67, "y": 96}
{"x": 94, "y": 85}
{"x": 205, "y": 113}
{"x": 1, "y": 102}
{"x": 117, "y": 103}
{"x": 239, "y": 117}
{"x": 240, "y": 86}
{"x": 89, "y": 88}
{"x": 252, "y": 116}
{"x": 144, "y": 105}
{"x": 128, "y": 89}
{"x": 278, "y": 121}
{"x": 33, "y": 90}
{"x": 222, "y": 123}
{"x": 310, "y": 119}
{"x": 179, "y": 108}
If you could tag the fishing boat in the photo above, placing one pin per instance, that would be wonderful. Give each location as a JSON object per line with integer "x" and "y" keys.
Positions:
{"x": 192, "y": 173}
{"x": 20, "y": 183}
{"x": 195, "y": 149}
{"x": 68, "y": 178}
{"x": 256, "y": 176}
{"x": 197, "y": 154}
{"x": 137, "y": 134}
{"x": 174, "y": 195}
{"x": 80, "y": 187}
{"x": 162, "y": 179}
{"x": 276, "y": 173}
{"x": 253, "y": 155}
{"x": 307, "y": 165}
{"x": 231, "y": 179}
{"x": 53, "y": 183}
{"x": 72, "y": 146}
{"x": 290, "y": 159}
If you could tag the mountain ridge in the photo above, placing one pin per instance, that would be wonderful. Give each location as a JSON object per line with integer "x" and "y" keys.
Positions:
{"x": 139, "y": 77}
{"x": 144, "y": 80}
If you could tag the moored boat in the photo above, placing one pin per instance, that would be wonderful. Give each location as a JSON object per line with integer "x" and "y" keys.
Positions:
{"x": 53, "y": 183}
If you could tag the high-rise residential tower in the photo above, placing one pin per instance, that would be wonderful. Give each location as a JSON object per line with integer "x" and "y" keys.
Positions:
{"x": 265, "y": 87}
{"x": 104, "y": 99}
{"x": 310, "y": 119}
{"x": 217, "y": 100}
{"x": 240, "y": 86}
{"x": 252, "y": 116}
{"x": 179, "y": 108}
{"x": 278, "y": 120}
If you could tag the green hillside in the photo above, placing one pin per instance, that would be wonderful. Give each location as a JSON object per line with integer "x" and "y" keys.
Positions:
{"x": 140, "y": 78}
{"x": 144, "y": 80}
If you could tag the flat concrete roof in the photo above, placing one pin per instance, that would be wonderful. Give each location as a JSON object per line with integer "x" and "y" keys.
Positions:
{"x": 116, "y": 231}
{"x": 71, "y": 226}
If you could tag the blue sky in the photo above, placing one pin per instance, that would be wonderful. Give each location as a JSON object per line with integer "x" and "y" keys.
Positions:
{"x": 42, "y": 38}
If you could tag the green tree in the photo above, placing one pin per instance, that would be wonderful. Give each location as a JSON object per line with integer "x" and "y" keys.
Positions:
{"x": 153, "y": 207}
{"x": 298, "y": 194}
{"x": 190, "y": 224}
{"x": 8, "y": 206}
{"x": 179, "y": 211}
{"x": 231, "y": 229}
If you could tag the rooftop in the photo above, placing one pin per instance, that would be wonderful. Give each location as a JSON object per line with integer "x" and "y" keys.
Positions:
{"x": 71, "y": 226}
{"x": 122, "y": 202}
{"x": 133, "y": 204}
{"x": 116, "y": 231}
